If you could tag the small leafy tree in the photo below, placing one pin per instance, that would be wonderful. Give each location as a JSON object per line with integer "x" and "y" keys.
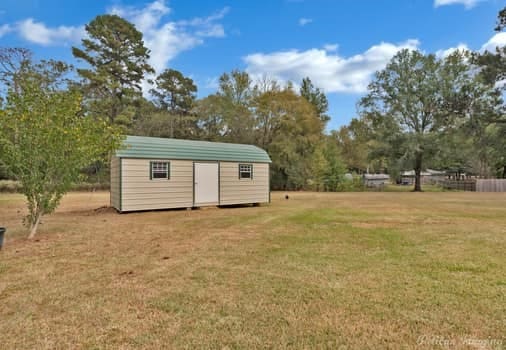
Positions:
{"x": 45, "y": 140}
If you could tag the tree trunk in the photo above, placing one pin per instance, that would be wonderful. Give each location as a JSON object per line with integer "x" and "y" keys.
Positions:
{"x": 418, "y": 173}
{"x": 504, "y": 172}
{"x": 33, "y": 228}
{"x": 172, "y": 117}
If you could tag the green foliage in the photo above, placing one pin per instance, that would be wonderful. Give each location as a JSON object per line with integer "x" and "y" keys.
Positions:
{"x": 289, "y": 129}
{"x": 235, "y": 95}
{"x": 211, "y": 124}
{"x": 356, "y": 184}
{"x": 175, "y": 97}
{"x": 175, "y": 92}
{"x": 489, "y": 129}
{"x": 117, "y": 60}
{"x": 316, "y": 97}
{"x": 501, "y": 20}
{"x": 357, "y": 145}
{"x": 278, "y": 120}
{"x": 45, "y": 140}
{"x": 335, "y": 168}
{"x": 12, "y": 62}
{"x": 417, "y": 101}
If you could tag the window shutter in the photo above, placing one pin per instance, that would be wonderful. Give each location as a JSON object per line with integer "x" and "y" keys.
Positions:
{"x": 151, "y": 170}
{"x": 251, "y": 171}
{"x": 168, "y": 170}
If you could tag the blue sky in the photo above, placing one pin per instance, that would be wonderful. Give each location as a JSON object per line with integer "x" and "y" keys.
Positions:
{"x": 338, "y": 44}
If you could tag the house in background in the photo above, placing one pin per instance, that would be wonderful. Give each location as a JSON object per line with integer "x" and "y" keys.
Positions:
{"x": 376, "y": 180}
{"x": 156, "y": 173}
{"x": 429, "y": 176}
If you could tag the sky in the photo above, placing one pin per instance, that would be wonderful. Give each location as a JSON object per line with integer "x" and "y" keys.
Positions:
{"x": 338, "y": 44}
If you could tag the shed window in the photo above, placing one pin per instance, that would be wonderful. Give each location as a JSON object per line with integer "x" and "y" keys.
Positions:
{"x": 160, "y": 170}
{"x": 245, "y": 171}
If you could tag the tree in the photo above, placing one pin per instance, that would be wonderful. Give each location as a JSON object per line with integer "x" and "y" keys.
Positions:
{"x": 269, "y": 109}
{"x": 317, "y": 98}
{"x": 176, "y": 94}
{"x": 356, "y": 143}
{"x": 289, "y": 129}
{"x": 278, "y": 120}
{"x": 211, "y": 124}
{"x": 489, "y": 131}
{"x": 501, "y": 20}
{"x": 45, "y": 140}
{"x": 12, "y": 61}
{"x": 231, "y": 106}
{"x": 416, "y": 100}
{"x": 118, "y": 62}
{"x": 335, "y": 167}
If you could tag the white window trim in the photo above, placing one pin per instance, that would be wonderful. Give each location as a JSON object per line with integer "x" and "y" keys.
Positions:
{"x": 151, "y": 172}
{"x": 250, "y": 178}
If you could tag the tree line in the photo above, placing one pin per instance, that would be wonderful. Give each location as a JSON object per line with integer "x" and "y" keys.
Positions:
{"x": 420, "y": 111}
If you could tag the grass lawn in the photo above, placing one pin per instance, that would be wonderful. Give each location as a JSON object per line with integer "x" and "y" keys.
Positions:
{"x": 357, "y": 270}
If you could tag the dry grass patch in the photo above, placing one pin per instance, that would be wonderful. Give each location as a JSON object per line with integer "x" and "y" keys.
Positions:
{"x": 359, "y": 270}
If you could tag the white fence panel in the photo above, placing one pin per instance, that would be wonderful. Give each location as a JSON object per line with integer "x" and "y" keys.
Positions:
{"x": 491, "y": 185}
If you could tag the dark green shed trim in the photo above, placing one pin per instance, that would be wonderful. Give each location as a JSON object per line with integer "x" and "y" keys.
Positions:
{"x": 193, "y": 185}
{"x": 120, "y": 185}
{"x": 269, "y": 172}
{"x": 219, "y": 183}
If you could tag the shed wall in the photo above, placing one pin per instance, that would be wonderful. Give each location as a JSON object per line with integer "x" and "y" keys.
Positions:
{"x": 115, "y": 183}
{"x": 139, "y": 192}
{"x": 240, "y": 191}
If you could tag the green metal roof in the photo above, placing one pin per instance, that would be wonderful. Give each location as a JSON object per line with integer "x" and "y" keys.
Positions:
{"x": 161, "y": 148}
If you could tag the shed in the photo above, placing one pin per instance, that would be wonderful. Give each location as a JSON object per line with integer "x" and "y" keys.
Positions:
{"x": 161, "y": 173}
{"x": 376, "y": 180}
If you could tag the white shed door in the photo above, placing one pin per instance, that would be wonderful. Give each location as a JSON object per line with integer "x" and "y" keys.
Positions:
{"x": 206, "y": 183}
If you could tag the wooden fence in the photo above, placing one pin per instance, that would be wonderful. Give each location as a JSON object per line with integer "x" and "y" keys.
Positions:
{"x": 478, "y": 185}
{"x": 461, "y": 185}
{"x": 491, "y": 185}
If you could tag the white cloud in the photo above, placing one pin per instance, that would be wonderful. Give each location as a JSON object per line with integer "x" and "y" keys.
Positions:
{"x": 327, "y": 70}
{"x": 303, "y": 21}
{"x": 212, "y": 83}
{"x": 166, "y": 39}
{"x": 331, "y": 47}
{"x": 145, "y": 18}
{"x": 498, "y": 40}
{"x": 39, "y": 33}
{"x": 4, "y": 29}
{"x": 207, "y": 26}
{"x": 467, "y": 3}
{"x": 449, "y": 51}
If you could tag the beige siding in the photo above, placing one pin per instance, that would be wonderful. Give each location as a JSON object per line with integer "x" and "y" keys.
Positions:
{"x": 115, "y": 183}
{"x": 141, "y": 193}
{"x": 238, "y": 191}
